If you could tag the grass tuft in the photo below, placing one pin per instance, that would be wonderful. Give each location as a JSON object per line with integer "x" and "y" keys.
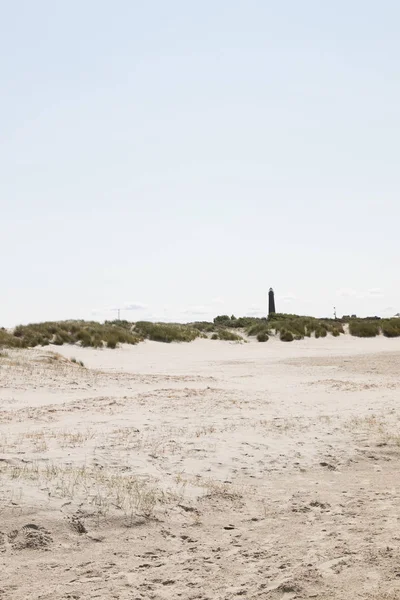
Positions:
{"x": 364, "y": 329}
{"x": 85, "y": 333}
{"x": 262, "y": 336}
{"x": 166, "y": 332}
{"x": 286, "y": 336}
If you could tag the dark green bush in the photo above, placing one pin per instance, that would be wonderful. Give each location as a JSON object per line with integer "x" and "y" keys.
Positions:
{"x": 166, "y": 332}
{"x": 7, "y": 340}
{"x": 391, "y": 328}
{"x": 87, "y": 333}
{"x": 215, "y": 336}
{"x": 286, "y": 336}
{"x": 223, "y": 320}
{"x": 320, "y": 332}
{"x": 112, "y": 343}
{"x": 258, "y": 327}
{"x": 203, "y": 326}
{"x": 229, "y": 336}
{"x": 262, "y": 336}
{"x": 364, "y": 329}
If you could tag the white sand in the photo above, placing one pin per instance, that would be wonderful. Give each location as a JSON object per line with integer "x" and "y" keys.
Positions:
{"x": 210, "y": 470}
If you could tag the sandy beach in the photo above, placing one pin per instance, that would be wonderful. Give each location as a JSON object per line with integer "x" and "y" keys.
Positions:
{"x": 211, "y": 470}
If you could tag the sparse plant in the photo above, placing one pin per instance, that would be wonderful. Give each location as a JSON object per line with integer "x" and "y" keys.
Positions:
{"x": 229, "y": 336}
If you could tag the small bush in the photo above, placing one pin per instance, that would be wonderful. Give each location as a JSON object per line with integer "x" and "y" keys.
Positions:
{"x": 229, "y": 336}
{"x": 286, "y": 336}
{"x": 112, "y": 343}
{"x": 58, "y": 341}
{"x": 203, "y": 326}
{"x": 256, "y": 328}
{"x": 391, "y": 328}
{"x": 262, "y": 336}
{"x": 364, "y": 329}
{"x": 223, "y": 320}
{"x": 87, "y": 333}
{"x": 320, "y": 332}
{"x": 215, "y": 336}
{"x": 85, "y": 339}
{"x": 166, "y": 332}
{"x": 97, "y": 342}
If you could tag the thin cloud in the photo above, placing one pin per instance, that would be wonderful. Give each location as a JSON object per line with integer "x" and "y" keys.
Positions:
{"x": 375, "y": 293}
{"x": 288, "y": 298}
{"x": 256, "y": 311}
{"x": 135, "y": 306}
{"x": 197, "y": 310}
{"x": 346, "y": 292}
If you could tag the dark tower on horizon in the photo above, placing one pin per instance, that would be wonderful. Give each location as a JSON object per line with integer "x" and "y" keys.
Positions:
{"x": 271, "y": 302}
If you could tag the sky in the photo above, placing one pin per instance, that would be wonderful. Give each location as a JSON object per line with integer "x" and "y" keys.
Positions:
{"x": 176, "y": 159}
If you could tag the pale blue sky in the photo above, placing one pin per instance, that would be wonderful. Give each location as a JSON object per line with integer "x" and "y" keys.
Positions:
{"x": 183, "y": 156}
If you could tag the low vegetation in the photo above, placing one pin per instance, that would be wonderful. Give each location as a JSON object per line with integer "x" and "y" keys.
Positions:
{"x": 365, "y": 329}
{"x": 110, "y": 334}
{"x": 262, "y": 336}
{"x": 167, "y": 332}
{"x": 84, "y": 333}
{"x": 373, "y": 327}
{"x": 286, "y": 336}
{"x": 391, "y": 328}
{"x": 227, "y": 335}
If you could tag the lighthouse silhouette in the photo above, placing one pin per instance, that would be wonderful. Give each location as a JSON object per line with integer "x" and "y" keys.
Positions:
{"x": 271, "y": 302}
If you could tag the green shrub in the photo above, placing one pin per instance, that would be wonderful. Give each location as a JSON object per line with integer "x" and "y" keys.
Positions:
{"x": 87, "y": 333}
{"x": 320, "y": 332}
{"x": 223, "y": 320}
{"x": 229, "y": 336}
{"x": 391, "y": 328}
{"x": 364, "y": 329}
{"x": 262, "y": 336}
{"x": 286, "y": 336}
{"x": 112, "y": 343}
{"x": 215, "y": 336}
{"x": 58, "y": 341}
{"x": 7, "y": 340}
{"x": 166, "y": 332}
{"x": 203, "y": 326}
{"x": 97, "y": 342}
{"x": 85, "y": 339}
{"x": 258, "y": 327}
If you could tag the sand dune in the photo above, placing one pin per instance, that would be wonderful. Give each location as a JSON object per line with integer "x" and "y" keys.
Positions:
{"x": 209, "y": 470}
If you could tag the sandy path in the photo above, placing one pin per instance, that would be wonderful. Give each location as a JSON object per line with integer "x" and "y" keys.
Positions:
{"x": 209, "y": 470}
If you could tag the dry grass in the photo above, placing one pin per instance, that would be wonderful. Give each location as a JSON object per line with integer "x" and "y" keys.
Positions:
{"x": 103, "y": 490}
